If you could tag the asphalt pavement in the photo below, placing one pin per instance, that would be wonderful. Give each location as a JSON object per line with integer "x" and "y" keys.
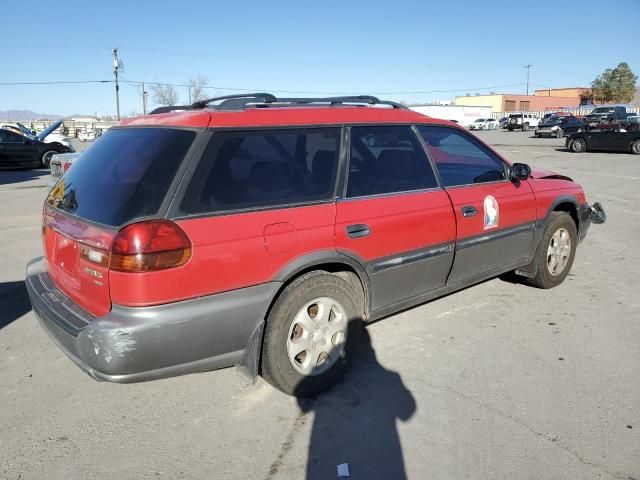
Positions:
{"x": 499, "y": 381}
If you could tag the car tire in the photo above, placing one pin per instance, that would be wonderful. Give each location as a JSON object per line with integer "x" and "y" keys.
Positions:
{"x": 525, "y": 127}
{"x": 578, "y": 145}
{"x": 510, "y": 129}
{"x": 635, "y": 147}
{"x": 46, "y": 158}
{"x": 559, "y": 133}
{"x": 299, "y": 331}
{"x": 556, "y": 251}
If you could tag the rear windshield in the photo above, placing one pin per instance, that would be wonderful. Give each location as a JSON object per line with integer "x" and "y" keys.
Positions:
{"x": 124, "y": 175}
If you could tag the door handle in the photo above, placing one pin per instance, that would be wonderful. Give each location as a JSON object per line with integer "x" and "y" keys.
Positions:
{"x": 359, "y": 230}
{"x": 469, "y": 211}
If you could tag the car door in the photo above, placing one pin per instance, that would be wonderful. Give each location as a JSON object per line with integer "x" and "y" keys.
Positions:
{"x": 495, "y": 217}
{"x": 608, "y": 139}
{"x": 17, "y": 150}
{"x": 393, "y": 217}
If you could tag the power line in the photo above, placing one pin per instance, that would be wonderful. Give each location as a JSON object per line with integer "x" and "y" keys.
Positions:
{"x": 408, "y": 92}
{"x": 238, "y": 89}
{"x": 55, "y": 82}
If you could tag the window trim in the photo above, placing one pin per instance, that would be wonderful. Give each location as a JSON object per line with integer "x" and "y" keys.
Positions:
{"x": 420, "y": 141}
{"x": 174, "y": 211}
{"x": 505, "y": 165}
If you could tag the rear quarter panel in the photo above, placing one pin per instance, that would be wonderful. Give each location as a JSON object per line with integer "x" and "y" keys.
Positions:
{"x": 230, "y": 252}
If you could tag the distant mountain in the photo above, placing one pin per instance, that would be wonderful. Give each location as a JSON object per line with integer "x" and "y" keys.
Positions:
{"x": 27, "y": 116}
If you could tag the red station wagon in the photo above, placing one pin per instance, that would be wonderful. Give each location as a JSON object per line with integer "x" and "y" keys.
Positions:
{"x": 262, "y": 232}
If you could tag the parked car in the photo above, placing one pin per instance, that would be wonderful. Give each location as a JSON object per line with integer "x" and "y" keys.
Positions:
{"x": 503, "y": 122}
{"x": 51, "y": 137}
{"x": 606, "y": 114}
{"x": 610, "y": 139}
{"x": 484, "y": 124}
{"x": 19, "y": 151}
{"x": 89, "y": 135}
{"x": 263, "y": 232}
{"x": 60, "y": 163}
{"x": 559, "y": 126}
{"x": 522, "y": 121}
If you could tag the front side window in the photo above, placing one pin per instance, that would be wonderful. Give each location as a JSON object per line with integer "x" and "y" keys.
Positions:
{"x": 460, "y": 159}
{"x": 387, "y": 159}
{"x": 264, "y": 168}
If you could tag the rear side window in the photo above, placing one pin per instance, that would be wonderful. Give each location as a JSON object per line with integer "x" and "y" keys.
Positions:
{"x": 387, "y": 159}
{"x": 264, "y": 168}
{"x": 460, "y": 159}
{"x": 125, "y": 175}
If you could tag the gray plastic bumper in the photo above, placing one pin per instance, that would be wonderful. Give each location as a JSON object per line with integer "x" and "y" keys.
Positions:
{"x": 145, "y": 343}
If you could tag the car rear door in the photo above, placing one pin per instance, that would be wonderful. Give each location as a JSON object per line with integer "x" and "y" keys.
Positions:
{"x": 495, "y": 217}
{"x": 394, "y": 218}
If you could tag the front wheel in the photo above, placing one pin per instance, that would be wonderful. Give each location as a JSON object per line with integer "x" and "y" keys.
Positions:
{"x": 312, "y": 333}
{"x": 525, "y": 127}
{"x": 578, "y": 145}
{"x": 635, "y": 147}
{"x": 559, "y": 133}
{"x": 556, "y": 251}
{"x": 46, "y": 158}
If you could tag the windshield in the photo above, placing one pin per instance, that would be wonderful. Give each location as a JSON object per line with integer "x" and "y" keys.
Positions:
{"x": 480, "y": 120}
{"x": 124, "y": 175}
{"x": 25, "y": 131}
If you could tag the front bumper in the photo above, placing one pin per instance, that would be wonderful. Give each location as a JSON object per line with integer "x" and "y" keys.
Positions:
{"x": 590, "y": 214}
{"x": 145, "y": 343}
{"x": 544, "y": 133}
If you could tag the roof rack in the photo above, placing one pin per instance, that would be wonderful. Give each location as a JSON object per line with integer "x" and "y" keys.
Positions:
{"x": 267, "y": 100}
{"x": 229, "y": 100}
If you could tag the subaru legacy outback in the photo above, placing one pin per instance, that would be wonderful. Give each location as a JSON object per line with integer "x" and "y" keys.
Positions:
{"x": 263, "y": 232}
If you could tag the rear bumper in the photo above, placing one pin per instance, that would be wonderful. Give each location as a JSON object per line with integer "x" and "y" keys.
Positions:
{"x": 145, "y": 343}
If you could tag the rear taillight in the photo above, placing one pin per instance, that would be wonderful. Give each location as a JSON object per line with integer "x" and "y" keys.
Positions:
{"x": 148, "y": 246}
{"x": 66, "y": 167}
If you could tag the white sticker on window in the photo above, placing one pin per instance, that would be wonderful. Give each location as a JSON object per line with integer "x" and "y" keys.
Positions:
{"x": 491, "y": 212}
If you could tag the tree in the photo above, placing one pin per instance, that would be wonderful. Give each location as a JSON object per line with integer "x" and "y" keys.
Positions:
{"x": 617, "y": 85}
{"x": 165, "y": 95}
{"x": 197, "y": 87}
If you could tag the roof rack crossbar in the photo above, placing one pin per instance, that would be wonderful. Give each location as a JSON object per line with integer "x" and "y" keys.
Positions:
{"x": 248, "y": 97}
{"x": 261, "y": 100}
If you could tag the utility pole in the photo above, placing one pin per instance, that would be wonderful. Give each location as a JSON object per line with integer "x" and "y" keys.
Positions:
{"x": 117, "y": 65}
{"x": 528, "y": 67}
{"x": 144, "y": 100}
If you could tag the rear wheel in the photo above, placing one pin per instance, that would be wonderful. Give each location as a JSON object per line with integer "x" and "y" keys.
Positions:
{"x": 635, "y": 147}
{"x": 46, "y": 158}
{"x": 578, "y": 145}
{"x": 525, "y": 127}
{"x": 556, "y": 251}
{"x": 312, "y": 334}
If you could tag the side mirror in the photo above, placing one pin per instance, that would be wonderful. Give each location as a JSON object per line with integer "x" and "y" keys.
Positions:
{"x": 520, "y": 171}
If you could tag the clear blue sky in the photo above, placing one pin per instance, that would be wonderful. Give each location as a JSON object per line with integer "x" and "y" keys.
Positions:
{"x": 328, "y": 46}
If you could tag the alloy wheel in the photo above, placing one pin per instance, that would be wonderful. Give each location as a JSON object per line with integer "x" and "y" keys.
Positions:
{"x": 558, "y": 251}
{"x": 317, "y": 336}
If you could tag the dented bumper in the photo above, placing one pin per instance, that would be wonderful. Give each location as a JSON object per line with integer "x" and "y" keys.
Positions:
{"x": 133, "y": 344}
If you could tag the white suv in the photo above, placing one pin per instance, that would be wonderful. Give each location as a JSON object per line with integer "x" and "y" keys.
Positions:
{"x": 522, "y": 120}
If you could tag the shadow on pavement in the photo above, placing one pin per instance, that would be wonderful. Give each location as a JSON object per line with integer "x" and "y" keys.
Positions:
{"x": 14, "y": 302}
{"x": 355, "y": 422}
{"x": 8, "y": 177}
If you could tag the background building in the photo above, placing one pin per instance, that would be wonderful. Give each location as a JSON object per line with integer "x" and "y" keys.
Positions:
{"x": 514, "y": 103}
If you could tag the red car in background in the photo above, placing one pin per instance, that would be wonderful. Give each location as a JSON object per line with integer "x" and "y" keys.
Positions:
{"x": 264, "y": 232}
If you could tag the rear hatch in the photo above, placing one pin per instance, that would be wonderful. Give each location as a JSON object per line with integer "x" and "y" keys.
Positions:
{"x": 123, "y": 178}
